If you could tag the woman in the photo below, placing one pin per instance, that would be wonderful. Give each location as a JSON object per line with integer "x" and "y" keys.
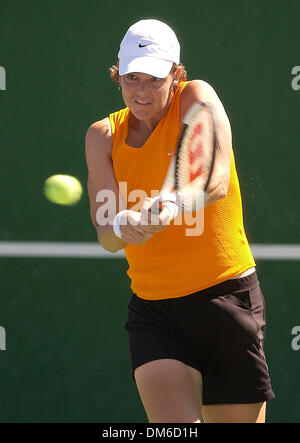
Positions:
{"x": 196, "y": 316}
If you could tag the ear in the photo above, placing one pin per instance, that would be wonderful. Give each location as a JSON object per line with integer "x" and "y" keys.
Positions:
{"x": 177, "y": 75}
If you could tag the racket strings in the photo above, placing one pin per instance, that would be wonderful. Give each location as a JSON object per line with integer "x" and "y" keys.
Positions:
{"x": 195, "y": 155}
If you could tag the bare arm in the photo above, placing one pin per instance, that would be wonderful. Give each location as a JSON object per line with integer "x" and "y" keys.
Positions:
{"x": 198, "y": 90}
{"x": 101, "y": 177}
{"x": 98, "y": 145}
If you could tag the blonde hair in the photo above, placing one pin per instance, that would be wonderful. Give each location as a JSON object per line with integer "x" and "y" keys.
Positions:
{"x": 115, "y": 76}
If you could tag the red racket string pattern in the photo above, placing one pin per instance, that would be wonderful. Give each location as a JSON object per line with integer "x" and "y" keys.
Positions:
{"x": 195, "y": 153}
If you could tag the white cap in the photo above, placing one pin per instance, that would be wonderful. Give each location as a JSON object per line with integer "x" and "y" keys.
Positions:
{"x": 150, "y": 47}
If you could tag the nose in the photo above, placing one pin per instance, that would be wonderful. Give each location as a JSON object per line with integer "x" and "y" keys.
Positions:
{"x": 143, "y": 88}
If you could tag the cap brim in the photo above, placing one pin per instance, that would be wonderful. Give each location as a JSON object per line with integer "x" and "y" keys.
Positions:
{"x": 146, "y": 65}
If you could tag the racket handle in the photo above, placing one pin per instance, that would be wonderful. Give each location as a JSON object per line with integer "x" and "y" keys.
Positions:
{"x": 164, "y": 196}
{"x": 168, "y": 196}
{"x": 169, "y": 199}
{"x": 155, "y": 209}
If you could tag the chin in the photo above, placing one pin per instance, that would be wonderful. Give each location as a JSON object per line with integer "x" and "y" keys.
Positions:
{"x": 142, "y": 114}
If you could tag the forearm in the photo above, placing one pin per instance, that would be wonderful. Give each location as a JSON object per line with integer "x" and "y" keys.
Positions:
{"x": 108, "y": 240}
{"x": 126, "y": 228}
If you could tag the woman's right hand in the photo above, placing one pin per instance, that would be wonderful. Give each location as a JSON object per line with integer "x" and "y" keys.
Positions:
{"x": 133, "y": 231}
{"x": 138, "y": 227}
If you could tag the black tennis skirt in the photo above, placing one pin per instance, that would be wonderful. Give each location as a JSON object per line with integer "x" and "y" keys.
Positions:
{"x": 218, "y": 331}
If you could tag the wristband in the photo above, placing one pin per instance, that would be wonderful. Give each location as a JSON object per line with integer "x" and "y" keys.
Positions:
{"x": 118, "y": 222}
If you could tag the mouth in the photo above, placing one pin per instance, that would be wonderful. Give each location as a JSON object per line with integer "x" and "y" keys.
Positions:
{"x": 142, "y": 102}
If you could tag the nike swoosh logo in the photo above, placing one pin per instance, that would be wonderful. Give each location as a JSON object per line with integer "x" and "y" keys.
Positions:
{"x": 171, "y": 153}
{"x": 142, "y": 46}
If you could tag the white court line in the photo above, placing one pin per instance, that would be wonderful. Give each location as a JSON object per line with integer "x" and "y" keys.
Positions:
{"x": 55, "y": 249}
{"x": 94, "y": 250}
{"x": 276, "y": 251}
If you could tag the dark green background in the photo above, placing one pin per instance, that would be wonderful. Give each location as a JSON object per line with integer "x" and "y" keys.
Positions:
{"x": 66, "y": 356}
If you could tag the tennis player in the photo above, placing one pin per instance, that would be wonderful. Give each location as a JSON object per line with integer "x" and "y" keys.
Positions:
{"x": 196, "y": 319}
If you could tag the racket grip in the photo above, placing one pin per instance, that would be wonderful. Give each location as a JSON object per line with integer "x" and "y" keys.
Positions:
{"x": 168, "y": 196}
{"x": 155, "y": 209}
{"x": 161, "y": 198}
{"x": 169, "y": 200}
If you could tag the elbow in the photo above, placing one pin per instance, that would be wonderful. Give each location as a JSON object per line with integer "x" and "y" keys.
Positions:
{"x": 217, "y": 193}
{"x": 222, "y": 192}
{"x": 222, "y": 188}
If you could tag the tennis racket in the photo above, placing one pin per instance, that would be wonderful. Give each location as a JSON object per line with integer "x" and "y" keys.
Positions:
{"x": 191, "y": 168}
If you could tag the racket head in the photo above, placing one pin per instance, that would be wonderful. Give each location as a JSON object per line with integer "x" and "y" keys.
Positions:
{"x": 195, "y": 156}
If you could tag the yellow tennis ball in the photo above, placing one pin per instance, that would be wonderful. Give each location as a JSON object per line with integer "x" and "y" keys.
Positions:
{"x": 63, "y": 189}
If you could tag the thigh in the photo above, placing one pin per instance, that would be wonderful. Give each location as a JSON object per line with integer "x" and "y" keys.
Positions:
{"x": 236, "y": 413}
{"x": 170, "y": 390}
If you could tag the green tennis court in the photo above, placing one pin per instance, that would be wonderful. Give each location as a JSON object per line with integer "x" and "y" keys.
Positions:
{"x": 63, "y": 300}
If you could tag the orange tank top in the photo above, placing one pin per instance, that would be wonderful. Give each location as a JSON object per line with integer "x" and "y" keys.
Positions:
{"x": 173, "y": 264}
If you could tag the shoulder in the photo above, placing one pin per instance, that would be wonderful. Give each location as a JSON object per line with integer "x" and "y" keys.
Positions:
{"x": 197, "y": 87}
{"x": 99, "y": 137}
{"x": 198, "y": 90}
